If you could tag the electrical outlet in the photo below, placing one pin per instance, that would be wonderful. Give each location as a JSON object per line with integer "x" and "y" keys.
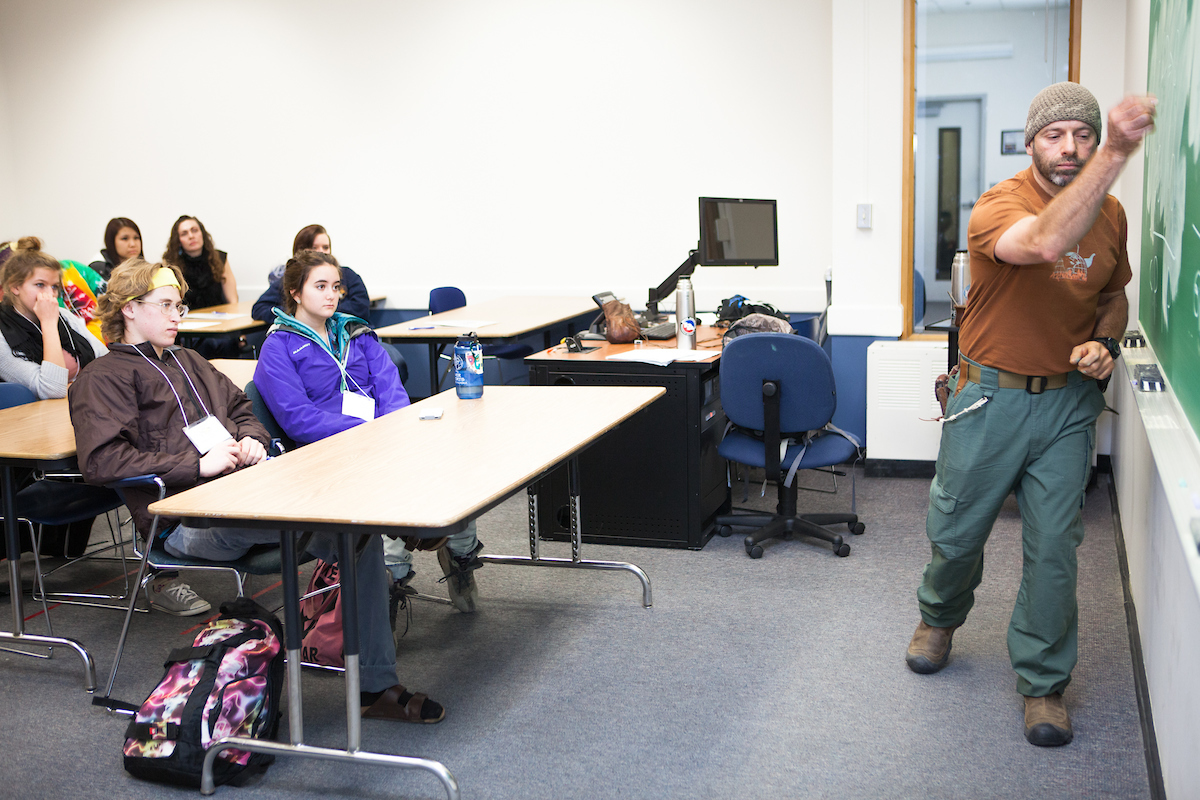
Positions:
{"x": 864, "y": 216}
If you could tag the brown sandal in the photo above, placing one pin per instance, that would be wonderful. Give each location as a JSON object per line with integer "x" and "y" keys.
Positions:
{"x": 419, "y": 708}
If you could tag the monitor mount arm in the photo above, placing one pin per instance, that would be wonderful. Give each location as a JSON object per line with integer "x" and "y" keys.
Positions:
{"x": 666, "y": 287}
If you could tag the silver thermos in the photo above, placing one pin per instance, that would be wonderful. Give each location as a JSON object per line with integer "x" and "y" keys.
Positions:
{"x": 960, "y": 277}
{"x": 685, "y": 315}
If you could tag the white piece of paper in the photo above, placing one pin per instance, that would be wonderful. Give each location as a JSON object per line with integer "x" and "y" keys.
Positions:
{"x": 358, "y": 405}
{"x": 218, "y": 315}
{"x": 662, "y": 356}
{"x": 471, "y": 324}
{"x": 207, "y": 433}
{"x": 190, "y": 324}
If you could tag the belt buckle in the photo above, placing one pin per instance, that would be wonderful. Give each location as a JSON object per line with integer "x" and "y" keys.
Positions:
{"x": 1029, "y": 383}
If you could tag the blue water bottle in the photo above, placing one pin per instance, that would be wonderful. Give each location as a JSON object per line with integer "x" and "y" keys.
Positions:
{"x": 468, "y": 367}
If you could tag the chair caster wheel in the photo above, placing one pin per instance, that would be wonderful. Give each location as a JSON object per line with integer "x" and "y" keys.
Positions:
{"x": 753, "y": 548}
{"x": 724, "y": 531}
{"x": 841, "y": 550}
{"x": 856, "y": 528}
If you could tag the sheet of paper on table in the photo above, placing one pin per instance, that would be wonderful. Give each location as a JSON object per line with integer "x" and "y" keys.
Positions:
{"x": 659, "y": 355}
{"x": 465, "y": 324}
{"x": 190, "y": 324}
{"x": 216, "y": 315}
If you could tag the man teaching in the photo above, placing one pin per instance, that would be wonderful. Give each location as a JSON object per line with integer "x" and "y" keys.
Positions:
{"x": 1046, "y": 307}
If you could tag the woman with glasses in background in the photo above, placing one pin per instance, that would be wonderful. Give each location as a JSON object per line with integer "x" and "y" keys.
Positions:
{"x": 45, "y": 346}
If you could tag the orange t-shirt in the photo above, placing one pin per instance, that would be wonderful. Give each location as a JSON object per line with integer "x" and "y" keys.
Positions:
{"x": 1027, "y": 319}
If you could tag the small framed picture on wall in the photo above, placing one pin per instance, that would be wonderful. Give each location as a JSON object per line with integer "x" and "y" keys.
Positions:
{"x": 1010, "y": 143}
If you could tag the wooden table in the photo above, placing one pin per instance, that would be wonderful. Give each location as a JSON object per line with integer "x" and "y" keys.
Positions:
{"x": 35, "y": 435}
{"x": 510, "y": 318}
{"x": 402, "y": 475}
{"x": 235, "y": 319}
{"x": 238, "y": 370}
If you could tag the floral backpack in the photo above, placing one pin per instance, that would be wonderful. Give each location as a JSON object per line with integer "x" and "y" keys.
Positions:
{"x": 228, "y": 683}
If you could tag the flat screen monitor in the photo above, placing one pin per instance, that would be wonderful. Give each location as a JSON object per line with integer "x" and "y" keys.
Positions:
{"x": 738, "y": 233}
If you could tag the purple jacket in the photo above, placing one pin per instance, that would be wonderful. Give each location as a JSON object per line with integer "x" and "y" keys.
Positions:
{"x": 301, "y": 383}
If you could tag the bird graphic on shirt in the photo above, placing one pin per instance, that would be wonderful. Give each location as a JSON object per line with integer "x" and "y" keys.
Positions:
{"x": 1072, "y": 266}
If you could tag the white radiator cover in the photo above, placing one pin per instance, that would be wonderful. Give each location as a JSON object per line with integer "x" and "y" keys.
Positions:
{"x": 900, "y": 400}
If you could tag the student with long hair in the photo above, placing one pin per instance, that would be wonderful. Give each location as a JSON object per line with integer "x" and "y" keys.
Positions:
{"x": 45, "y": 346}
{"x": 322, "y": 372}
{"x": 122, "y": 241}
{"x": 210, "y": 281}
{"x": 355, "y": 299}
{"x": 209, "y": 276}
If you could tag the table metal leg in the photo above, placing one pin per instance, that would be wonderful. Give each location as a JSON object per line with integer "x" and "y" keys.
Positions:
{"x": 292, "y": 638}
{"x": 348, "y": 576}
{"x": 276, "y": 748}
{"x": 17, "y": 634}
{"x": 434, "y": 350}
{"x": 575, "y": 561}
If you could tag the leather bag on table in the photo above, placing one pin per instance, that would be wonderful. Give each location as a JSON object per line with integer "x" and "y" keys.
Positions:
{"x": 621, "y": 327}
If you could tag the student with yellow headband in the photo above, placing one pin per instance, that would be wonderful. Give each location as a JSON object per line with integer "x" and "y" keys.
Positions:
{"x": 150, "y": 406}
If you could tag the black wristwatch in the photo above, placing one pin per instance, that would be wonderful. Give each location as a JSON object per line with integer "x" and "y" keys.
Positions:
{"x": 1110, "y": 344}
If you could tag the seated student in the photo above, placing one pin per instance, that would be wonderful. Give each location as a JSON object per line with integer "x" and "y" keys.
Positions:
{"x": 315, "y": 356}
{"x": 206, "y": 269}
{"x": 45, "y": 346}
{"x": 122, "y": 240}
{"x": 131, "y": 411}
{"x": 209, "y": 278}
{"x": 354, "y": 300}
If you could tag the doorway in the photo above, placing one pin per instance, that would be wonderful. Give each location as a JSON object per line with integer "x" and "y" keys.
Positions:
{"x": 948, "y": 182}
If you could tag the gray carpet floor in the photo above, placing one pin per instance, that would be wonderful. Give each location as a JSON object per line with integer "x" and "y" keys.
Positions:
{"x": 775, "y": 678}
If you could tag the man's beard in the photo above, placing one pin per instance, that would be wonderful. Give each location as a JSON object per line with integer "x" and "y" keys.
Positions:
{"x": 1049, "y": 171}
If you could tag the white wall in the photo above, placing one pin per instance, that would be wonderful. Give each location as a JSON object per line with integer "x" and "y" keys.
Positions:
{"x": 1156, "y": 465}
{"x": 7, "y": 200}
{"x": 1131, "y": 185}
{"x": 527, "y": 146}
{"x": 868, "y": 118}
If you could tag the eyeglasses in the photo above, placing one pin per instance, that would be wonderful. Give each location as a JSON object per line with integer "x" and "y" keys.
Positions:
{"x": 166, "y": 307}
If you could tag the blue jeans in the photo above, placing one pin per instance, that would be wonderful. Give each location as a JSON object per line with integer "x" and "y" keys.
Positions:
{"x": 399, "y": 558}
{"x": 377, "y": 656}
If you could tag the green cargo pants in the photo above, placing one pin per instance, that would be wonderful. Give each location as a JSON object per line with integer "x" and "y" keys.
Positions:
{"x": 1039, "y": 445}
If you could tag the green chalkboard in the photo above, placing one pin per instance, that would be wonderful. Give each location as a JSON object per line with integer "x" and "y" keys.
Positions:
{"x": 1170, "y": 284}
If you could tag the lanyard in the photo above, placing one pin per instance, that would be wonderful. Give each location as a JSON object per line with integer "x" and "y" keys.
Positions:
{"x": 178, "y": 399}
{"x": 341, "y": 362}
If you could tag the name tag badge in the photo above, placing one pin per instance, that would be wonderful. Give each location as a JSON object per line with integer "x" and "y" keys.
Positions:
{"x": 207, "y": 433}
{"x": 358, "y": 405}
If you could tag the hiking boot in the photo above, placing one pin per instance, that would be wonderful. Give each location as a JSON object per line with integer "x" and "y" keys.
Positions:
{"x": 460, "y": 576}
{"x": 398, "y": 598}
{"x": 172, "y": 595}
{"x": 929, "y": 649}
{"x": 1047, "y": 723}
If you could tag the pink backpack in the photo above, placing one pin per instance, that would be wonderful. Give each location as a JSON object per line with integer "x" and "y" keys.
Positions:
{"x": 321, "y": 619}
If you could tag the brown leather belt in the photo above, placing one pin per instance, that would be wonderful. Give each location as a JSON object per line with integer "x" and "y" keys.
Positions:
{"x": 1034, "y": 384}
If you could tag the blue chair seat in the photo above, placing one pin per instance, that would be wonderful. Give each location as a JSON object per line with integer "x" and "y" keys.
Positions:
{"x": 772, "y": 383}
{"x": 260, "y": 560}
{"x": 59, "y": 503}
{"x": 825, "y": 449}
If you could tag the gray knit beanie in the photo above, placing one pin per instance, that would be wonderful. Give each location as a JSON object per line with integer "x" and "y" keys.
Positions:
{"x": 1062, "y": 101}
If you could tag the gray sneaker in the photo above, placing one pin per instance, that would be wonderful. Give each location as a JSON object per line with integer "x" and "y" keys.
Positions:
{"x": 174, "y": 596}
{"x": 460, "y": 576}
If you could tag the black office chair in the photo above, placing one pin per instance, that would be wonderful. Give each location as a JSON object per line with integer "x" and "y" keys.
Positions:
{"x": 778, "y": 388}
